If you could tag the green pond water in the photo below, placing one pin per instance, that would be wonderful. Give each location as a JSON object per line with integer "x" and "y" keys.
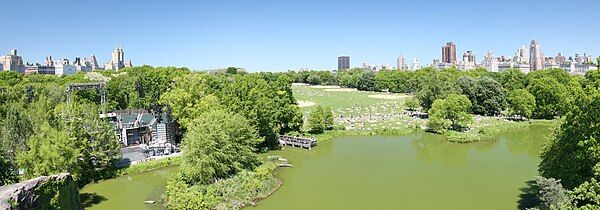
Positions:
{"x": 419, "y": 171}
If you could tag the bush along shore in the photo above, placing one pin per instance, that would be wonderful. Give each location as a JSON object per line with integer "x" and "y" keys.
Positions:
{"x": 490, "y": 130}
{"x": 243, "y": 189}
{"x": 485, "y": 132}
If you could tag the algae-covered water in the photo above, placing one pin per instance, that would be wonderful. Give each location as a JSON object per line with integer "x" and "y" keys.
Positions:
{"x": 419, "y": 171}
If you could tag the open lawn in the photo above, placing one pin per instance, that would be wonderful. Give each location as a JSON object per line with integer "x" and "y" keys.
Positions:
{"x": 358, "y": 110}
{"x": 363, "y": 111}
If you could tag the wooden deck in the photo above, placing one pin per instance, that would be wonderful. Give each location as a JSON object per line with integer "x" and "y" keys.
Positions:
{"x": 302, "y": 142}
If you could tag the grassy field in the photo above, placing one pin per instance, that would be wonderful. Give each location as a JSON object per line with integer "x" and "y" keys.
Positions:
{"x": 373, "y": 113}
{"x": 358, "y": 110}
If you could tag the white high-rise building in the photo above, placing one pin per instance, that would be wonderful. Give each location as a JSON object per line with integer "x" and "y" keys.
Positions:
{"x": 118, "y": 60}
{"x": 535, "y": 56}
{"x": 415, "y": 65}
{"x": 400, "y": 63}
{"x": 522, "y": 56}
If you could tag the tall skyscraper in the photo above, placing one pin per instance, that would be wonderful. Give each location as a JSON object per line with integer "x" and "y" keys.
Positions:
{"x": 118, "y": 60}
{"x": 449, "y": 53}
{"x": 401, "y": 63}
{"x": 535, "y": 56}
{"x": 343, "y": 62}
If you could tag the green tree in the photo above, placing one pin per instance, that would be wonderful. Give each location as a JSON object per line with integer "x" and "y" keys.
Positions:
{"x": 412, "y": 104}
{"x": 438, "y": 123}
{"x": 586, "y": 195}
{"x": 435, "y": 87}
{"x": 521, "y": 103}
{"x": 450, "y": 113}
{"x": 366, "y": 81}
{"x": 513, "y": 79}
{"x": 598, "y": 62}
{"x": 218, "y": 145}
{"x": 573, "y": 153}
{"x": 231, "y": 70}
{"x": 50, "y": 151}
{"x": 8, "y": 172}
{"x": 320, "y": 119}
{"x": 550, "y": 97}
{"x": 16, "y": 130}
{"x": 85, "y": 146}
{"x": 485, "y": 93}
{"x": 550, "y": 192}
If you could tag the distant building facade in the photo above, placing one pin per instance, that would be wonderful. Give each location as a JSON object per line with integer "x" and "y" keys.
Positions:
{"x": 449, "y": 53}
{"x": 401, "y": 63}
{"x": 343, "y": 62}
{"x": 12, "y": 62}
{"x": 117, "y": 61}
{"x": 535, "y": 58}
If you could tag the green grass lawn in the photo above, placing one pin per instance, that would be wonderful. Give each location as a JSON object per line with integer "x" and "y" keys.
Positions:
{"x": 361, "y": 112}
{"x": 358, "y": 110}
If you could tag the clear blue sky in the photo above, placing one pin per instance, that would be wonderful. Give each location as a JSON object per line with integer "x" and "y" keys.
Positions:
{"x": 275, "y": 35}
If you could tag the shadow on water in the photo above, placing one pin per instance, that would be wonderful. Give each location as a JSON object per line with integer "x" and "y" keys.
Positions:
{"x": 90, "y": 199}
{"x": 528, "y": 197}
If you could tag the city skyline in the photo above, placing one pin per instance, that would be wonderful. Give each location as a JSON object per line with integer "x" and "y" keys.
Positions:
{"x": 271, "y": 36}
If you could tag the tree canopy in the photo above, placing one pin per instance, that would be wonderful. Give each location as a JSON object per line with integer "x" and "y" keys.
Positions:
{"x": 218, "y": 145}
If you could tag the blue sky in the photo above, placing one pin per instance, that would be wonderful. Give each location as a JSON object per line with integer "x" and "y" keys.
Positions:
{"x": 276, "y": 35}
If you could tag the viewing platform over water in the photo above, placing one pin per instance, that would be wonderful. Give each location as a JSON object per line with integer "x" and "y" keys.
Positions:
{"x": 302, "y": 142}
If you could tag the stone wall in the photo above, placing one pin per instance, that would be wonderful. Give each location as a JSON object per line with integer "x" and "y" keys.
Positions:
{"x": 45, "y": 192}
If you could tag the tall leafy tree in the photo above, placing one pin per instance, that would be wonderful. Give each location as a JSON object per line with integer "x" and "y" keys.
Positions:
{"x": 450, "y": 113}
{"x": 550, "y": 97}
{"x": 218, "y": 145}
{"x": 320, "y": 119}
{"x": 573, "y": 153}
{"x": 521, "y": 103}
{"x": 513, "y": 79}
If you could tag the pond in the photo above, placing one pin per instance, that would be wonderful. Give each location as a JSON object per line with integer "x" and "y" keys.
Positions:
{"x": 419, "y": 171}
{"x": 127, "y": 192}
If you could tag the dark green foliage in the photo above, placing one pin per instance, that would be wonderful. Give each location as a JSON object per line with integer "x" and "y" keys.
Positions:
{"x": 231, "y": 70}
{"x": 366, "y": 82}
{"x": 437, "y": 87}
{"x": 550, "y": 192}
{"x": 8, "y": 172}
{"x": 486, "y": 94}
{"x": 543, "y": 193}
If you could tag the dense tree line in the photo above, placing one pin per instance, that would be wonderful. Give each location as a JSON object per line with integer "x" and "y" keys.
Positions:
{"x": 227, "y": 118}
